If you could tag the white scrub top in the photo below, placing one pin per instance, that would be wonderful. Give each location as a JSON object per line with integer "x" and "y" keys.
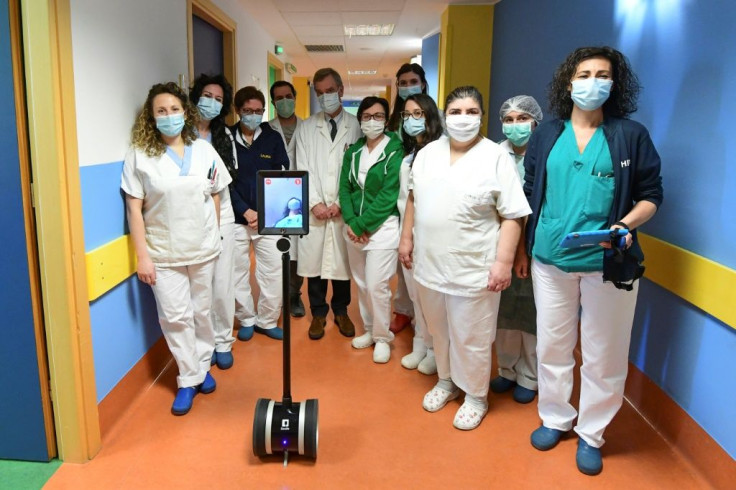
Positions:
{"x": 178, "y": 210}
{"x": 227, "y": 215}
{"x": 458, "y": 211}
{"x": 404, "y": 184}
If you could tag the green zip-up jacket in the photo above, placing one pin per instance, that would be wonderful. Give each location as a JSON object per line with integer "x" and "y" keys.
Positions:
{"x": 365, "y": 208}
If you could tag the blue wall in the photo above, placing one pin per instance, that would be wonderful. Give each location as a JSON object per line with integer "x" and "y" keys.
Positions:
{"x": 685, "y": 55}
{"x": 431, "y": 64}
{"x": 124, "y": 320}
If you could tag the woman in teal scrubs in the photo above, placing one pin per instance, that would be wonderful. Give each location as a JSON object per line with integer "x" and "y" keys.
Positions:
{"x": 590, "y": 169}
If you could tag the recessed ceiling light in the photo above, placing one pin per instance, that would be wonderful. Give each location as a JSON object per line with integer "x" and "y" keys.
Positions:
{"x": 362, "y": 72}
{"x": 369, "y": 30}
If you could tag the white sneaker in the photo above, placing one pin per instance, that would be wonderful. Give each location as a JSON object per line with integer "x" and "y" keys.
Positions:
{"x": 428, "y": 365}
{"x": 468, "y": 417}
{"x": 381, "y": 352}
{"x": 438, "y": 398}
{"x": 412, "y": 360}
{"x": 365, "y": 340}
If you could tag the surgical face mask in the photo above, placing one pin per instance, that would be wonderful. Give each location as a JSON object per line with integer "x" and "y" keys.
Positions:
{"x": 591, "y": 93}
{"x": 462, "y": 127}
{"x": 329, "y": 103}
{"x": 372, "y": 128}
{"x": 405, "y": 92}
{"x": 518, "y": 133}
{"x": 414, "y": 127}
{"x": 251, "y": 121}
{"x": 209, "y": 108}
{"x": 285, "y": 107}
{"x": 170, "y": 125}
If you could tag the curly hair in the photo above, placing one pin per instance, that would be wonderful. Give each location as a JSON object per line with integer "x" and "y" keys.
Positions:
{"x": 395, "y": 121}
{"x": 624, "y": 92}
{"x": 432, "y": 121}
{"x": 222, "y": 142}
{"x": 147, "y": 137}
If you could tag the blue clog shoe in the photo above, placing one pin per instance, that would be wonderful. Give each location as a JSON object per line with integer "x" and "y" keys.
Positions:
{"x": 501, "y": 384}
{"x": 183, "y": 401}
{"x": 225, "y": 360}
{"x": 213, "y": 359}
{"x": 588, "y": 458}
{"x": 245, "y": 333}
{"x": 274, "y": 333}
{"x": 544, "y": 438}
{"x": 208, "y": 385}
{"x": 523, "y": 395}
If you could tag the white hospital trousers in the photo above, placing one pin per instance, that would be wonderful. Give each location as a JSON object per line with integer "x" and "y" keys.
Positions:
{"x": 223, "y": 291}
{"x": 462, "y": 330}
{"x": 422, "y": 339}
{"x": 606, "y": 315}
{"x": 402, "y": 302}
{"x": 372, "y": 270}
{"x": 268, "y": 277}
{"x": 516, "y": 357}
{"x": 183, "y": 300}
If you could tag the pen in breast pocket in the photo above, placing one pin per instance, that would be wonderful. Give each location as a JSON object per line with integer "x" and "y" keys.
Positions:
{"x": 211, "y": 173}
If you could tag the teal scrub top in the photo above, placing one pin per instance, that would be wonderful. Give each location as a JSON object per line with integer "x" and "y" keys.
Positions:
{"x": 578, "y": 197}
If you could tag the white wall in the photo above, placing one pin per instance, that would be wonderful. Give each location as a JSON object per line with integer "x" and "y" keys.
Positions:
{"x": 120, "y": 49}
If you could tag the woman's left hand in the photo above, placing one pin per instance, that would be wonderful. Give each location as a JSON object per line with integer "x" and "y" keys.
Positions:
{"x": 499, "y": 277}
{"x": 629, "y": 239}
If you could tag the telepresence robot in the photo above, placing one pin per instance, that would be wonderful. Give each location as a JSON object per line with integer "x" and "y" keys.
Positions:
{"x": 285, "y": 426}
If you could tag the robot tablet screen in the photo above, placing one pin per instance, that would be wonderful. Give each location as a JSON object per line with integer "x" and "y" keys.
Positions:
{"x": 282, "y": 197}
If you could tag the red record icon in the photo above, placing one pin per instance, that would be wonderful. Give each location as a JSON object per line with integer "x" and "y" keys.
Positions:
{"x": 298, "y": 181}
{"x": 268, "y": 181}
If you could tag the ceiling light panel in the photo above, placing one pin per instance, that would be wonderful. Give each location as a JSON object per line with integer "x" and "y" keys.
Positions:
{"x": 353, "y": 30}
{"x": 362, "y": 72}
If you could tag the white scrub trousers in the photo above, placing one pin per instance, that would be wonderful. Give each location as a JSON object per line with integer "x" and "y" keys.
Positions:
{"x": 516, "y": 354}
{"x": 183, "y": 299}
{"x": 606, "y": 315}
{"x": 402, "y": 302}
{"x": 223, "y": 291}
{"x": 422, "y": 339}
{"x": 372, "y": 270}
{"x": 268, "y": 277}
{"x": 462, "y": 330}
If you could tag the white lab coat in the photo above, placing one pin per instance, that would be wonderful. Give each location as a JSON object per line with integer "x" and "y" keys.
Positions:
{"x": 323, "y": 252}
{"x": 291, "y": 152}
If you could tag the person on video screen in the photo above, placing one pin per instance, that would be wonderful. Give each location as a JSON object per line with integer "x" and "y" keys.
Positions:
{"x": 292, "y": 215}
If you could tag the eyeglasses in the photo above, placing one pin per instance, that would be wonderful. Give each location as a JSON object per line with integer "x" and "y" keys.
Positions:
{"x": 250, "y": 112}
{"x": 417, "y": 114}
{"x": 378, "y": 116}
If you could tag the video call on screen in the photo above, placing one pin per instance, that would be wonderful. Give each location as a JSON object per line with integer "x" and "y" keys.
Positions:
{"x": 283, "y": 202}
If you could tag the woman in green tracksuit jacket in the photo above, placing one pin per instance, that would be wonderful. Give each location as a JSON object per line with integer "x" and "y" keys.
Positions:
{"x": 369, "y": 189}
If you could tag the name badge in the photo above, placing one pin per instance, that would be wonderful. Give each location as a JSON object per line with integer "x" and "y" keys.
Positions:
{"x": 263, "y": 155}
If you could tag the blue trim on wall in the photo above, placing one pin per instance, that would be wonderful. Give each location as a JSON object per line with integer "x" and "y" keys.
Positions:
{"x": 685, "y": 55}
{"x": 103, "y": 205}
{"x": 124, "y": 327}
{"x": 431, "y": 64}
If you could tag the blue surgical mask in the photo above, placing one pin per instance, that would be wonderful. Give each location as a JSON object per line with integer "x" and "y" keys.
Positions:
{"x": 591, "y": 93}
{"x": 518, "y": 133}
{"x": 209, "y": 108}
{"x": 251, "y": 121}
{"x": 405, "y": 92}
{"x": 414, "y": 127}
{"x": 330, "y": 102}
{"x": 170, "y": 125}
{"x": 285, "y": 107}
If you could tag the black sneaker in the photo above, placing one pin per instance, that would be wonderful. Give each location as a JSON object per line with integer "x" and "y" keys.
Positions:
{"x": 297, "y": 307}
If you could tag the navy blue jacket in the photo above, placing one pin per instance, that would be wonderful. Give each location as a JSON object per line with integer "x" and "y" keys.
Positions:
{"x": 266, "y": 153}
{"x": 636, "y": 167}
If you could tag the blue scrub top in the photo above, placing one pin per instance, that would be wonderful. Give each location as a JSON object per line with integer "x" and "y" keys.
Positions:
{"x": 578, "y": 197}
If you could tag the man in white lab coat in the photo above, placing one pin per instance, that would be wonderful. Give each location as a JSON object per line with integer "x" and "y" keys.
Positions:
{"x": 283, "y": 97}
{"x": 321, "y": 142}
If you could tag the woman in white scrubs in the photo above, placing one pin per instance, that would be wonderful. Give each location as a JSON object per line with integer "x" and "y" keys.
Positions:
{"x": 369, "y": 189}
{"x": 421, "y": 124}
{"x": 172, "y": 183}
{"x": 213, "y": 96}
{"x": 461, "y": 227}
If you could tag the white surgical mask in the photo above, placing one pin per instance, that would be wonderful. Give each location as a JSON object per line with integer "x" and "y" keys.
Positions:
{"x": 462, "y": 127}
{"x": 329, "y": 102}
{"x": 372, "y": 128}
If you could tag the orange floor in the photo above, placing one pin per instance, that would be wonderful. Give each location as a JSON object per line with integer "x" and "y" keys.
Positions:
{"x": 373, "y": 433}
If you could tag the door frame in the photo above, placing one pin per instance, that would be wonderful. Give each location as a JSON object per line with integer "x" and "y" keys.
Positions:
{"x": 278, "y": 68}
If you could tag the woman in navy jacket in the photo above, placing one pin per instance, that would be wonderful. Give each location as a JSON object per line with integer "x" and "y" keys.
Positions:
{"x": 590, "y": 169}
{"x": 257, "y": 147}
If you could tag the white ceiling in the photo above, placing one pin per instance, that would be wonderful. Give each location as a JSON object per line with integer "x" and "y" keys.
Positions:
{"x": 295, "y": 23}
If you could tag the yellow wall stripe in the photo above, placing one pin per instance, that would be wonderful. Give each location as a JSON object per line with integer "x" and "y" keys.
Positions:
{"x": 109, "y": 265}
{"x": 706, "y": 284}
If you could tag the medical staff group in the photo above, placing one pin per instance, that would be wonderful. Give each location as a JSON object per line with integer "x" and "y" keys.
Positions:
{"x": 472, "y": 229}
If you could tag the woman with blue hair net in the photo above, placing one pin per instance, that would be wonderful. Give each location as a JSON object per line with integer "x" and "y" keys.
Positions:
{"x": 516, "y": 338}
